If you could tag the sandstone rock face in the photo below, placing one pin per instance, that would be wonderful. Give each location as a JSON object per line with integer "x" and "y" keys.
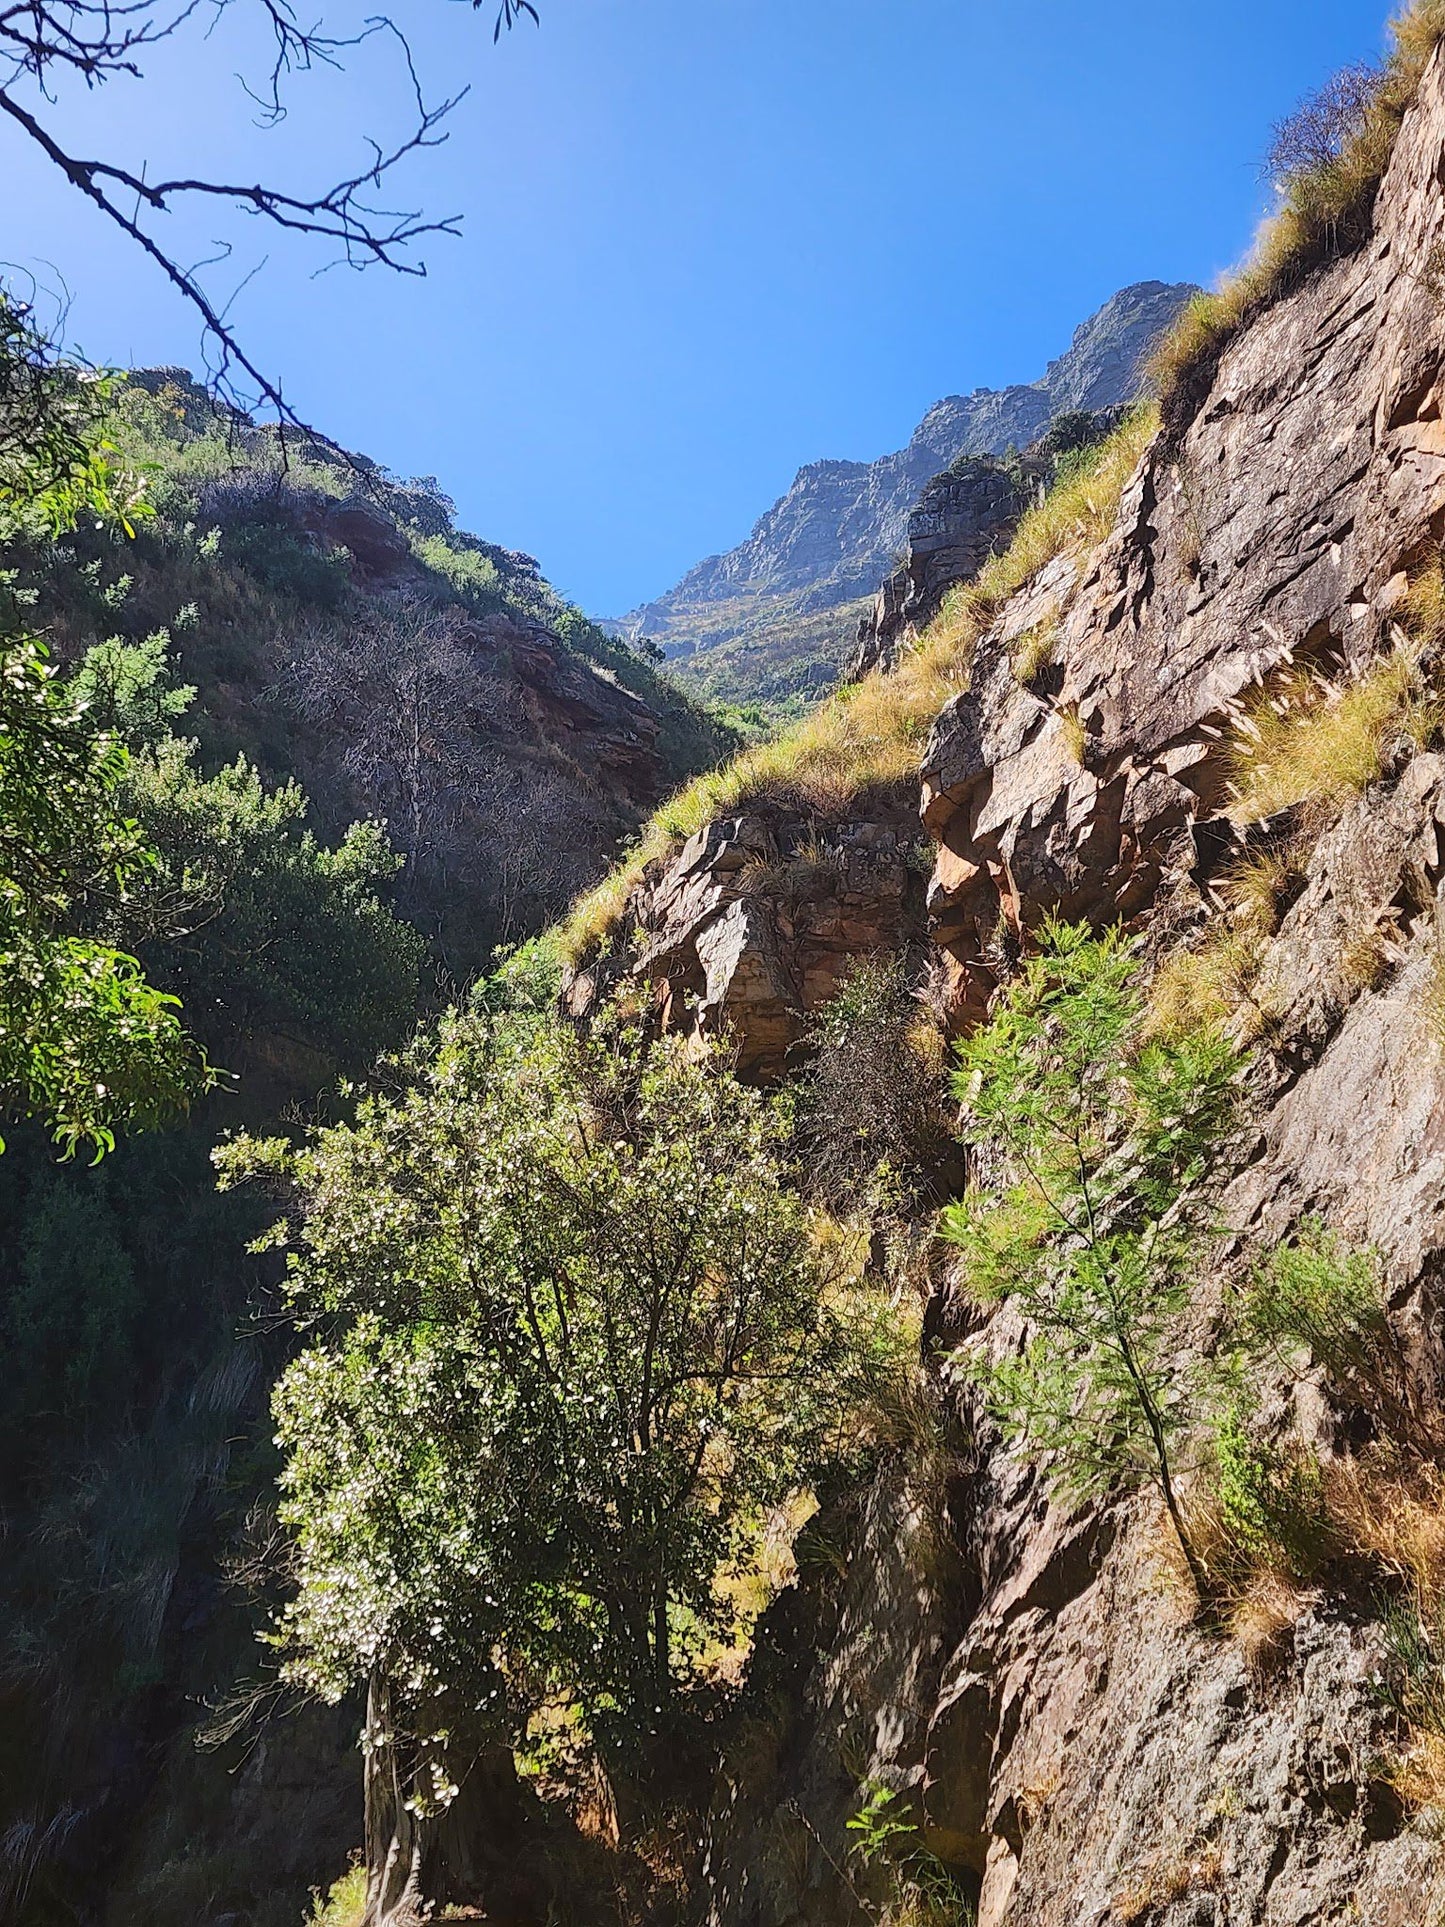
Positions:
{"x": 751, "y": 928}
{"x": 609, "y": 732}
{"x": 836, "y": 532}
{"x": 1081, "y": 1751}
{"x": 962, "y": 518}
{"x": 1278, "y": 528}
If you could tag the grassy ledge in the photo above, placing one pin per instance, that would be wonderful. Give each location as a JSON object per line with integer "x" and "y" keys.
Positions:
{"x": 1304, "y": 749}
{"x": 1325, "y": 213}
{"x": 867, "y": 739}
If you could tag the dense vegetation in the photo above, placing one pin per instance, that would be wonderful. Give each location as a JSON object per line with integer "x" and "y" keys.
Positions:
{"x": 782, "y": 659}
{"x": 1097, "y": 1233}
{"x": 586, "y": 1344}
{"x": 576, "y": 1348}
{"x": 206, "y": 921}
{"x": 329, "y": 667}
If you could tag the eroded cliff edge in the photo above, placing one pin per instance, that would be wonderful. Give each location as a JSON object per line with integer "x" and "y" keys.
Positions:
{"x": 1080, "y": 1746}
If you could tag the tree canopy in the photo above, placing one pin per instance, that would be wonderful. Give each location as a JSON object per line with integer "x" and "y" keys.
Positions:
{"x": 1091, "y": 1210}
{"x": 574, "y": 1338}
{"x": 86, "y": 1042}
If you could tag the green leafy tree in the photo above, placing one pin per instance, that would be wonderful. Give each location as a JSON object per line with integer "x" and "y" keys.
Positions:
{"x": 264, "y": 932}
{"x": 268, "y": 934}
{"x": 579, "y": 1339}
{"x": 87, "y": 1044}
{"x": 1102, "y": 1144}
{"x": 71, "y": 1312}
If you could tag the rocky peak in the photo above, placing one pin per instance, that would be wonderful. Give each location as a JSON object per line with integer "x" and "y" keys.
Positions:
{"x": 836, "y": 532}
{"x": 964, "y": 516}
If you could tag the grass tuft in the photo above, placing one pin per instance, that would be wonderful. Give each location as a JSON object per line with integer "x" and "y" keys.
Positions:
{"x": 1255, "y": 887}
{"x": 1306, "y": 741}
{"x": 1075, "y": 734}
{"x": 344, "y": 1905}
{"x": 1325, "y": 212}
{"x": 1211, "y": 988}
{"x": 1263, "y": 1617}
{"x": 1423, "y": 610}
{"x": 1035, "y": 650}
{"x": 1170, "y": 1878}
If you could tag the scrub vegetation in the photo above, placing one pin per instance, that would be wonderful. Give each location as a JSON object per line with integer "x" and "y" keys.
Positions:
{"x": 1328, "y": 162}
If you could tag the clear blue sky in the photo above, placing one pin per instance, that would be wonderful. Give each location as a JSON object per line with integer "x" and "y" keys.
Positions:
{"x": 704, "y": 240}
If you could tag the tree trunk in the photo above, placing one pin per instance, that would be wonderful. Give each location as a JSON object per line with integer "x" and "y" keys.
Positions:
{"x": 418, "y": 1862}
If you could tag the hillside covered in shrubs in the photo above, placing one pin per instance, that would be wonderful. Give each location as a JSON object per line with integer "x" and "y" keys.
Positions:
{"x": 880, "y": 1360}
{"x": 292, "y": 758}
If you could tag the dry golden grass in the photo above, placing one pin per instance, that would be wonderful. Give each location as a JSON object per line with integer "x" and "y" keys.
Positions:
{"x": 1387, "y": 1509}
{"x": 1308, "y": 741}
{"x": 1257, "y": 1591}
{"x": 1418, "y": 1775}
{"x": 1364, "y": 962}
{"x": 1075, "y": 515}
{"x": 1035, "y": 1799}
{"x": 869, "y": 738}
{"x": 1075, "y": 735}
{"x": 1035, "y": 649}
{"x": 1264, "y": 1614}
{"x": 1391, "y": 1513}
{"x": 1210, "y": 988}
{"x": 1423, "y": 610}
{"x": 1325, "y": 213}
{"x": 1168, "y": 1880}
{"x": 1253, "y": 889}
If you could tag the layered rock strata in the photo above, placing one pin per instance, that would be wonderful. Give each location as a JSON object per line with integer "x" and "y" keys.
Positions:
{"x": 751, "y": 928}
{"x": 962, "y": 518}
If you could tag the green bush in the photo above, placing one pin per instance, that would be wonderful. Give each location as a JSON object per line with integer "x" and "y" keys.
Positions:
{"x": 86, "y": 1043}
{"x": 1317, "y": 1296}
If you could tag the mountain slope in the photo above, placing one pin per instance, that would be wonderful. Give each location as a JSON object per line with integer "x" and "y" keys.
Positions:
{"x": 775, "y": 611}
{"x": 323, "y": 608}
{"x": 344, "y": 653}
{"x": 1216, "y": 719}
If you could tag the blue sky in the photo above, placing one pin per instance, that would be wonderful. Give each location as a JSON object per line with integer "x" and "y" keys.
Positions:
{"x": 704, "y": 241}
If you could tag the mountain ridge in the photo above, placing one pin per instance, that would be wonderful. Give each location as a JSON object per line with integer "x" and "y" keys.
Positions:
{"x": 835, "y": 532}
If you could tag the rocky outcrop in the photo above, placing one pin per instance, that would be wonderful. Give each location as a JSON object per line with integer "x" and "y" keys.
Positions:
{"x": 962, "y": 518}
{"x": 1280, "y": 527}
{"x": 1079, "y": 1748}
{"x": 1082, "y": 1751}
{"x": 576, "y": 707}
{"x": 837, "y": 531}
{"x": 754, "y": 924}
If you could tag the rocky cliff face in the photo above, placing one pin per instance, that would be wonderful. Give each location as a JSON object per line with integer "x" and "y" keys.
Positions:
{"x": 1082, "y": 1750}
{"x": 836, "y": 532}
{"x": 962, "y": 518}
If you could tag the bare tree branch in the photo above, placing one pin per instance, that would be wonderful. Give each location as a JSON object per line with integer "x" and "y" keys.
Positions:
{"x": 100, "y": 40}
